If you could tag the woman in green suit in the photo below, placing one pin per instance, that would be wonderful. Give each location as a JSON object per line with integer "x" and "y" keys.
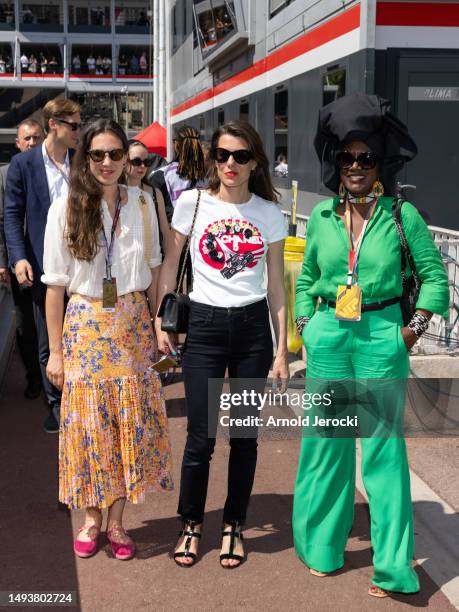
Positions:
{"x": 357, "y": 345}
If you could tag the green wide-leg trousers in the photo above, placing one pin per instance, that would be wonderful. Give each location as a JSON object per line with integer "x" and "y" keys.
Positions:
{"x": 370, "y": 353}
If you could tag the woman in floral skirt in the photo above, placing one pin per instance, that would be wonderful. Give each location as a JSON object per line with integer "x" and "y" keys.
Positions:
{"x": 102, "y": 246}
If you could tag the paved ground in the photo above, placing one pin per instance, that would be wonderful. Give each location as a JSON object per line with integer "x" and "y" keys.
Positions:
{"x": 36, "y": 540}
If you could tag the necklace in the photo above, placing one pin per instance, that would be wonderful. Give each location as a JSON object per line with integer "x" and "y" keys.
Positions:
{"x": 363, "y": 199}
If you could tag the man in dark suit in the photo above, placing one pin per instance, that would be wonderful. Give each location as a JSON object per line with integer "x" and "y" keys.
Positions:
{"x": 29, "y": 134}
{"x": 35, "y": 178}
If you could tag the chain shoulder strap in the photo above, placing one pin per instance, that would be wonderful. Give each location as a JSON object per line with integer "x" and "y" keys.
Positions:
{"x": 187, "y": 249}
{"x": 407, "y": 257}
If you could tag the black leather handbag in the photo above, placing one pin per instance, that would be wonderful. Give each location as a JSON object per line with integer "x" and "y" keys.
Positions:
{"x": 175, "y": 306}
{"x": 410, "y": 280}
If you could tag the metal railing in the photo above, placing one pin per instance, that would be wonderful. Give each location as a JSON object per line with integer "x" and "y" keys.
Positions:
{"x": 442, "y": 337}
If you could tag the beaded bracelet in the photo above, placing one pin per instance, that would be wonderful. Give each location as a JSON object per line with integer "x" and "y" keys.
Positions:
{"x": 301, "y": 323}
{"x": 418, "y": 324}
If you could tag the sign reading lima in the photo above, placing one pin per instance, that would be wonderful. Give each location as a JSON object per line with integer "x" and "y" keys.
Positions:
{"x": 434, "y": 94}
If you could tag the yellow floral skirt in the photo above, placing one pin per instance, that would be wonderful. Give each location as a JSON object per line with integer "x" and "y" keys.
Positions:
{"x": 114, "y": 438}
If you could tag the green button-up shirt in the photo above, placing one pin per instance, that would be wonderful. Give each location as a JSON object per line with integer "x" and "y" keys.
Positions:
{"x": 379, "y": 266}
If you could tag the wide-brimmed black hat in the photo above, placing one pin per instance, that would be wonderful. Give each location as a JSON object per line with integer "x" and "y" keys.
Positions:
{"x": 366, "y": 118}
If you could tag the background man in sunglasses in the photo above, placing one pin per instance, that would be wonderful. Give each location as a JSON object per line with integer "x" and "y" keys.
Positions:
{"x": 36, "y": 178}
{"x": 29, "y": 134}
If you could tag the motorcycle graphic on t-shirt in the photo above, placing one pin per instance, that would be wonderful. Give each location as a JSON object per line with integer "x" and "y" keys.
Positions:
{"x": 231, "y": 246}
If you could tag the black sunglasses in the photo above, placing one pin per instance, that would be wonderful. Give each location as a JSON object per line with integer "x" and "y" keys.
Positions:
{"x": 98, "y": 155}
{"x": 73, "y": 126}
{"x": 241, "y": 156}
{"x": 138, "y": 161}
{"x": 365, "y": 161}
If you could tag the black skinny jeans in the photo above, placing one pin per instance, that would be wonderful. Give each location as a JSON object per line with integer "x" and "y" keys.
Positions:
{"x": 219, "y": 338}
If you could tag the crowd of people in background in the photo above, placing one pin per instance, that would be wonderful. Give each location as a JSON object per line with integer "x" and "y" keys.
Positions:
{"x": 101, "y": 64}
{"x": 98, "y": 65}
{"x": 39, "y": 64}
{"x": 123, "y": 18}
{"x": 96, "y": 16}
{"x": 6, "y": 64}
{"x": 93, "y": 64}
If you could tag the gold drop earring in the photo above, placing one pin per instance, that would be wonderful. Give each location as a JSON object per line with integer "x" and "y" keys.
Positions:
{"x": 342, "y": 193}
{"x": 378, "y": 189}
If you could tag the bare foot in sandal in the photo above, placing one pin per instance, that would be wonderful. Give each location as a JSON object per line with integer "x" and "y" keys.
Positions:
{"x": 186, "y": 551}
{"x": 317, "y": 573}
{"x": 376, "y": 591}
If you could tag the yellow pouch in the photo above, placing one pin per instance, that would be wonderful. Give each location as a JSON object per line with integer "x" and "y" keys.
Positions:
{"x": 348, "y": 303}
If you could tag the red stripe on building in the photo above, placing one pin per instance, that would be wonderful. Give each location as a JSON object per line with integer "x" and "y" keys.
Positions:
{"x": 45, "y": 75}
{"x": 433, "y": 14}
{"x": 334, "y": 28}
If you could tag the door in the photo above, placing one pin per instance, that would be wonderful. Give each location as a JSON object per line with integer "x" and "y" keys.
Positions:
{"x": 428, "y": 102}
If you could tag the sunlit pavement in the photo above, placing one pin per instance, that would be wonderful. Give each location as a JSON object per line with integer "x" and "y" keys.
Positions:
{"x": 37, "y": 537}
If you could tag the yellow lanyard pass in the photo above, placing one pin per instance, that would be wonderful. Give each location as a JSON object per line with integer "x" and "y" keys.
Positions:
{"x": 349, "y": 296}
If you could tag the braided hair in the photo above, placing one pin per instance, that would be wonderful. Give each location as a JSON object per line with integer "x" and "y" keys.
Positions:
{"x": 189, "y": 154}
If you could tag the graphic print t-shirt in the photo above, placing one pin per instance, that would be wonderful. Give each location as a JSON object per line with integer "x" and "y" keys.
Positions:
{"x": 228, "y": 246}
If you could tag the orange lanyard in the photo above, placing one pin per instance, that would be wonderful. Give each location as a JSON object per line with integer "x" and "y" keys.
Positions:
{"x": 354, "y": 247}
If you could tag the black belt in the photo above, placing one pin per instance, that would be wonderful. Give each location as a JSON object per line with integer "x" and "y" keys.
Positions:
{"x": 366, "y": 307}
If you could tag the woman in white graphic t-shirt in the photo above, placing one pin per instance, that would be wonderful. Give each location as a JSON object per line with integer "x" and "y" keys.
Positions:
{"x": 238, "y": 233}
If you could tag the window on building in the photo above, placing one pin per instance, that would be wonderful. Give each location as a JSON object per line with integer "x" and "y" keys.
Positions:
{"x": 133, "y": 16}
{"x": 7, "y": 16}
{"x": 91, "y": 60}
{"x": 40, "y": 59}
{"x": 215, "y": 21}
{"x": 132, "y": 109}
{"x": 89, "y": 16}
{"x": 6, "y": 59}
{"x": 244, "y": 111}
{"x": 135, "y": 61}
{"x": 281, "y": 132}
{"x": 41, "y": 15}
{"x": 128, "y": 109}
{"x": 174, "y": 28}
{"x": 277, "y": 5}
{"x": 179, "y": 23}
{"x": 97, "y": 106}
{"x": 333, "y": 85}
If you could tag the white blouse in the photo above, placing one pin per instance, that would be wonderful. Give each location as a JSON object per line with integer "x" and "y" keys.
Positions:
{"x": 129, "y": 267}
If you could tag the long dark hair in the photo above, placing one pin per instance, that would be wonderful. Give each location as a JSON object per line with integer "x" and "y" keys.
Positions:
{"x": 84, "y": 211}
{"x": 260, "y": 182}
{"x": 136, "y": 143}
{"x": 189, "y": 154}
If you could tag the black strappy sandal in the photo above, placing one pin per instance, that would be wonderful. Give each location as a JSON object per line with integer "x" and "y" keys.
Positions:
{"x": 188, "y": 532}
{"x": 233, "y": 534}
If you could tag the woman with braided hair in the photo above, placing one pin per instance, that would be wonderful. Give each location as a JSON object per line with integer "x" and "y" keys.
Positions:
{"x": 186, "y": 171}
